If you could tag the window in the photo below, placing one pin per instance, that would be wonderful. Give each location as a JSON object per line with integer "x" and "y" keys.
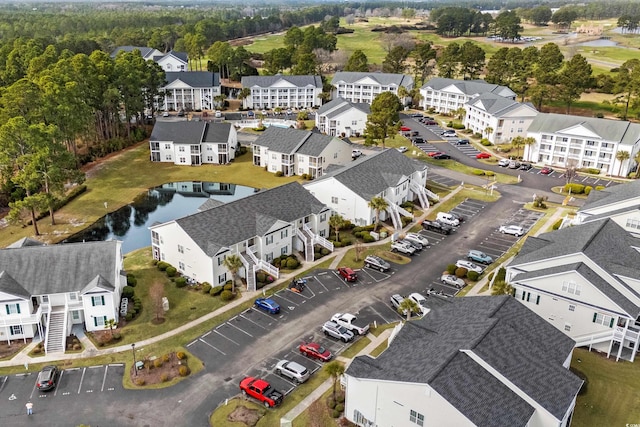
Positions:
{"x": 167, "y": 146}
{"x": 416, "y": 418}
{"x": 13, "y": 308}
{"x": 567, "y": 327}
{"x": 323, "y": 217}
{"x": 572, "y": 307}
{"x": 633, "y": 223}
{"x": 571, "y": 288}
{"x": 44, "y": 299}
{"x": 99, "y": 300}
{"x": 269, "y": 240}
{"x": 99, "y": 321}
{"x": 284, "y": 233}
{"x": 220, "y": 260}
{"x": 75, "y": 315}
{"x": 180, "y": 265}
{"x": 284, "y": 250}
{"x": 354, "y": 122}
{"x": 181, "y": 149}
{"x": 603, "y": 319}
{"x": 73, "y": 296}
{"x": 222, "y": 278}
{"x": 181, "y": 249}
{"x": 334, "y": 200}
{"x": 16, "y": 330}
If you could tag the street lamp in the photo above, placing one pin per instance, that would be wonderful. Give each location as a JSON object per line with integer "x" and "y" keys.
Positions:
{"x": 135, "y": 368}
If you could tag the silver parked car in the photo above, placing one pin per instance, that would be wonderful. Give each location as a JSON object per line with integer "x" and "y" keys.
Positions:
{"x": 292, "y": 370}
{"x": 332, "y": 329}
{"x": 469, "y": 266}
{"x": 450, "y": 279}
{"x": 418, "y": 238}
{"x": 515, "y": 230}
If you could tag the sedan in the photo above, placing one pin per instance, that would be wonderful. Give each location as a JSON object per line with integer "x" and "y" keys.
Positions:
{"x": 546, "y": 170}
{"x": 450, "y": 279}
{"x": 315, "y": 351}
{"x": 514, "y": 230}
{"x": 405, "y": 129}
{"x": 402, "y": 149}
{"x": 416, "y": 237}
{"x": 483, "y": 155}
{"x": 469, "y": 266}
{"x": 441, "y": 156}
{"x": 434, "y": 153}
{"x": 525, "y": 166}
{"x": 268, "y": 305}
{"x": 504, "y": 163}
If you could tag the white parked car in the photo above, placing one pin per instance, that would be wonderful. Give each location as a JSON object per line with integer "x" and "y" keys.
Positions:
{"x": 218, "y": 114}
{"x": 450, "y": 279}
{"x": 292, "y": 370}
{"x": 421, "y": 301}
{"x": 515, "y": 230}
{"x": 418, "y": 238}
{"x": 355, "y": 154}
{"x": 504, "y": 162}
{"x": 469, "y": 266}
{"x": 447, "y": 218}
{"x": 402, "y": 149}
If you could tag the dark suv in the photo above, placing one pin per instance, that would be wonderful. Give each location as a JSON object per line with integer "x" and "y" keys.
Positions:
{"x": 47, "y": 378}
{"x": 436, "y": 226}
{"x": 348, "y": 274}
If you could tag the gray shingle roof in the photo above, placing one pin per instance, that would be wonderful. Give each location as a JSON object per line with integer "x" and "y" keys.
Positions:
{"x": 180, "y": 55}
{"x": 60, "y": 268}
{"x": 385, "y": 79}
{"x": 370, "y": 175}
{"x": 251, "y": 216}
{"x": 190, "y": 132}
{"x": 98, "y": 282}
{"x": 624, "y": 133}
{"x": 195, "y": 79}
{"x": 290, "y": 141}
{"x": 144, "y": 51}
{"x": 268, "y": 81}
{"x": 25, "y": 241}
{"x": 9, "y": 285}
{"x": 340, "y": 105}
{"x": 612, "y": 195}
{"x": 469, "y": 87}
{"x": 513, "y": 340}
{"x": 496, "y": 104}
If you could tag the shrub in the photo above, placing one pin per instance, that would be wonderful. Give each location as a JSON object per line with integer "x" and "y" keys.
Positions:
{"x": 600, "y": 187}
{"x": 227, "y": 287}
{"x": 117, "y": 336}
{"x": 461, "y": 272}
{"x": 184, "y": 371}
{"x": 292, "y": 263}
{"x": 181, "y": 282}
{"x": 477, "y": 135}
{"x": 128, "y": 317}
{"x": 501, "y": 274}
{"x": 339, "y": 407}
{"x": 458, "y": 126}
{"x": 450, "y": 123}
{"x": 171, "y": 271}
{"x": 216, "y": 290}
{"x": 473, "y": 275}
{"x": 162, "y": 266}
{"x": 279, "y": 174}
{"x": 261, "y": 277}
{"x": 368, "y": 238}
{"x": 477, "y": 172}
{"x": 226, "y": 295}
{"x": 127, "y": 292}
{"x": 587, "y": 189}
{"x": 451, "y": 268}
{"x": 324, "y": 251}
{"x": 331, "y": 403}
{"x": 164, "y": 378}
{"x": 206, "y": 288}
{"x": 181, "y": 355}
{"x": 140, "y": 382}
{"x": 157, "y": 363}
{"x": 337, "y": 244}
{"x": 557, "y": 224}
{"x": 131, "y": 280}
{"x": 36, "y": 350}
{"x": 574, "y": 188}
{"x": 335, "y": 413}
{"x": 485, "y": 142}
{"x": 347, "y": 242}
{"x": 166, "y": 357}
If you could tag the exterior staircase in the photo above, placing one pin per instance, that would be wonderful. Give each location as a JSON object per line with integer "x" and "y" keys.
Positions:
{"x": 56, "y": 332}
{"x": 308, "y": 244}
{"x": 253, "y": 265}
{"x": 423, "y": 194}
{"x": 396, "y": 212}
{"x": 317, "y": 239}
{"x": 249, "y": 268}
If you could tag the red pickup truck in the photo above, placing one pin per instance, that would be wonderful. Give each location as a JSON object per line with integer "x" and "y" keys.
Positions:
{"x": 261, "y": 390}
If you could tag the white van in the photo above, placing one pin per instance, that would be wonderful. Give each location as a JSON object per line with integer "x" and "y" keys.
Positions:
{"x": 447, "y": 218}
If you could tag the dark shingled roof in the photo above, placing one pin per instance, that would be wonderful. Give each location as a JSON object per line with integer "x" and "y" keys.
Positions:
{"x": 520, "y": 345}
{"x": 9, "y": 285}
{"x": 343, "y": 105}
{"x": 370, "y": 175}
{"x": 384, "y": 79}
{"x": 60, "y": 268}
{"x": 612, "y": 195}
{"x": 290, "y": 141}
{"x": 268, "y": 81}
{"x": 190, "y": 132}
{"x": 25, "y": 241}
{"x": 180, "y": 55}
{"x": 242, "y": 219}
{"x": 144, "y": 51}
{"x": 198, "y": 79}
{"x": 469, "y": 87}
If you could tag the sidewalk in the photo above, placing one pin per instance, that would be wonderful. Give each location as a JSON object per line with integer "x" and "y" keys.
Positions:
{"x": 322, "y": 388}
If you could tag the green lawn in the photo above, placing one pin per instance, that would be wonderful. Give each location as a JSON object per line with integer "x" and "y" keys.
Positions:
{"x": 612, "y": 392}
{"x": 379, "y": 349}
{"x": 355, "y": 348}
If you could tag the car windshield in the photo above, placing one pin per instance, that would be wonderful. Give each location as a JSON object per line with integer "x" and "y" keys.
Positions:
{"x": 321, "y": 350}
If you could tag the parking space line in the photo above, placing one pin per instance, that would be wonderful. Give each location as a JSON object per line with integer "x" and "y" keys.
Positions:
{"x": 55, "y": 393}
{"x": 81, "y": 379}
{"x": 255, "y": 323}
{"x": 322, "y": 284}
{"x": 4, "y": 381}
{"x": 381, "y": 316}
{"x": 205, "y": 334}
{"x": 104, "y": 378}
{"x": 224, "y": 336}
{"x": 286, "y": 299}
{"x": 216, "y": 349}
{"x": 234, "y": 326}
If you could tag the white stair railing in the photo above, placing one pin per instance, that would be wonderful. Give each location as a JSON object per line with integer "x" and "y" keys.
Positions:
{"x": 422, "y": 194}
{"x": 262, "y": 265}
{"x": 46, "y": 335}
{"x": 308, "y": 245}
{"x": 395, "y": 217}
{"x": 318, "y": 239}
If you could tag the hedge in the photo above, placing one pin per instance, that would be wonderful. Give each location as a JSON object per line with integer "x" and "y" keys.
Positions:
{"x": 171, "y": 271}
{"x": 451, "y": 268}
{"x": 587, "y": 189}
{"x": 473, "y": 275}
{"x": 216, "y": 290}
{"x": 206, "y": 288}
{"x": 131, "y": 280}
{"x": 162, "y": 266}
{"x": 574, "y": 188}
{"x": 181, "y": 282}
{"x": 127, "y": 292}
{"x": 557, "y": 224}
{"x": 227, "y": 295}
{"x": 485, "y": 142}
{"x": 461, "y": 272}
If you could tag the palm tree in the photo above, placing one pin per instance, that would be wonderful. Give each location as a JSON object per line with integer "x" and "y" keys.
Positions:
{"x": 110, "y": 324}
{"x": 233, "y": 263}
{"x": 622, "y": 156}
{"x": 337, "y": 222}
{"x": 637, "y": 160}
{"x": 517, "y": 142}
{"x": 378, "y": 204}
{"x": 403, "y": 93}
{"x": 460, "y": 113}
{"x": 408, "y": 306}
{"x": 244, "y": 93}
{"x": 335, "y": 369}
{"x": 220, "y": 100}
{"x": 528, "y": 141}
{"x": 488, "y": 131}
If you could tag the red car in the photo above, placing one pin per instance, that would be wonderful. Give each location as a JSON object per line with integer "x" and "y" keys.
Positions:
{"x": 483, "y": 155}
{"x": 546, "y": 170}
{"x": 315, "y": 351}
{"x": 405, "y": 129}
{"x": 434, "y": 153}
{"x": 347, "y": 274}
{"x": 262, "y": 391}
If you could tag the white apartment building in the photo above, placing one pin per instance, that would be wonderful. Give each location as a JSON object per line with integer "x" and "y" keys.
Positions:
{"x": 340, "y": 117}
{"x": 191, "y": 90}
{"x": 360, "y": 87}
{"x": 448, "y": 95}
{"x": 268, "y": 92}
{"x": 497, "y": 118}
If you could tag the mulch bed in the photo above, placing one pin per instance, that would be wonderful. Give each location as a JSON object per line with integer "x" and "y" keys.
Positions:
{"x": 151, "y": 374}
{"x": 8, "y": 350}
{"x": 242, "y": 414}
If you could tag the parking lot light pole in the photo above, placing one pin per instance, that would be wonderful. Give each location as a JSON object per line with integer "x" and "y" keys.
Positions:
{"x": 135, "y": 368}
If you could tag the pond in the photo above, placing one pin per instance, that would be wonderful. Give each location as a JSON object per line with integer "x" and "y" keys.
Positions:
{"x": 131, "y": 223}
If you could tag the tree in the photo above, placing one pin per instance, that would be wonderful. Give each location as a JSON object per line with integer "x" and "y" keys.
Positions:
{"x": 403, "y": 94}
{"x": 110, "y": 324}
{"x": 337, "y": 222}
{"x": 497, "y": 72}
{"x": 335, "y": 369}
{"x": 449, "y": 60}
{"x": 571, "y": 170}
{"x": 574, "y": 78}
{"x": 637, "y": 160}
{"x": 472, "y": 59}
{"x": 156, "y": 292}
{"x": 394, "y": 62}
{"x": 517, "y": 142}
{"x": 408, "y": 306}
{"x": 357, "y": 62}
{"x": 564, "y": 16}
{"x": 424, "y": 60}
{"x": 378, "y": 204}
{"x": 244, "y": 93}
{"x": 488, "y": 131}
{"x": 540, "y": 15}
{"x": 233, "y": 263}
{"x": 528, "y": 142}
{"x": 622, "y": 156}
{"x": 384, "y": 118}
{"x": 627, "y": 84}
{"x": 305, "y": 65}
{"x": 507, "y": 25}
{"x": 501, "y": 287}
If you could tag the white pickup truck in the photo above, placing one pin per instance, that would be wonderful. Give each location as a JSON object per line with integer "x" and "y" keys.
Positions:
{"x": 350, "y": 322}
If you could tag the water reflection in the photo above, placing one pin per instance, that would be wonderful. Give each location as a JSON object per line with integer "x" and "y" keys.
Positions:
{"x": 160, "y": 204}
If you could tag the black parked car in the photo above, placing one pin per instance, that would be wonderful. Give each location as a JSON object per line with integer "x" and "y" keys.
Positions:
{"x": 525, "y": 166}
{"x": 418, "y": 140}
{"x": 47, "y": 378}
{"x": 441, "y": 156}
{"x": 436, "y": 226}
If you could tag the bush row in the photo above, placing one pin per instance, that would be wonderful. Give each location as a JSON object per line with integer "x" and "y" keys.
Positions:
{"x": 577, "y": 188}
